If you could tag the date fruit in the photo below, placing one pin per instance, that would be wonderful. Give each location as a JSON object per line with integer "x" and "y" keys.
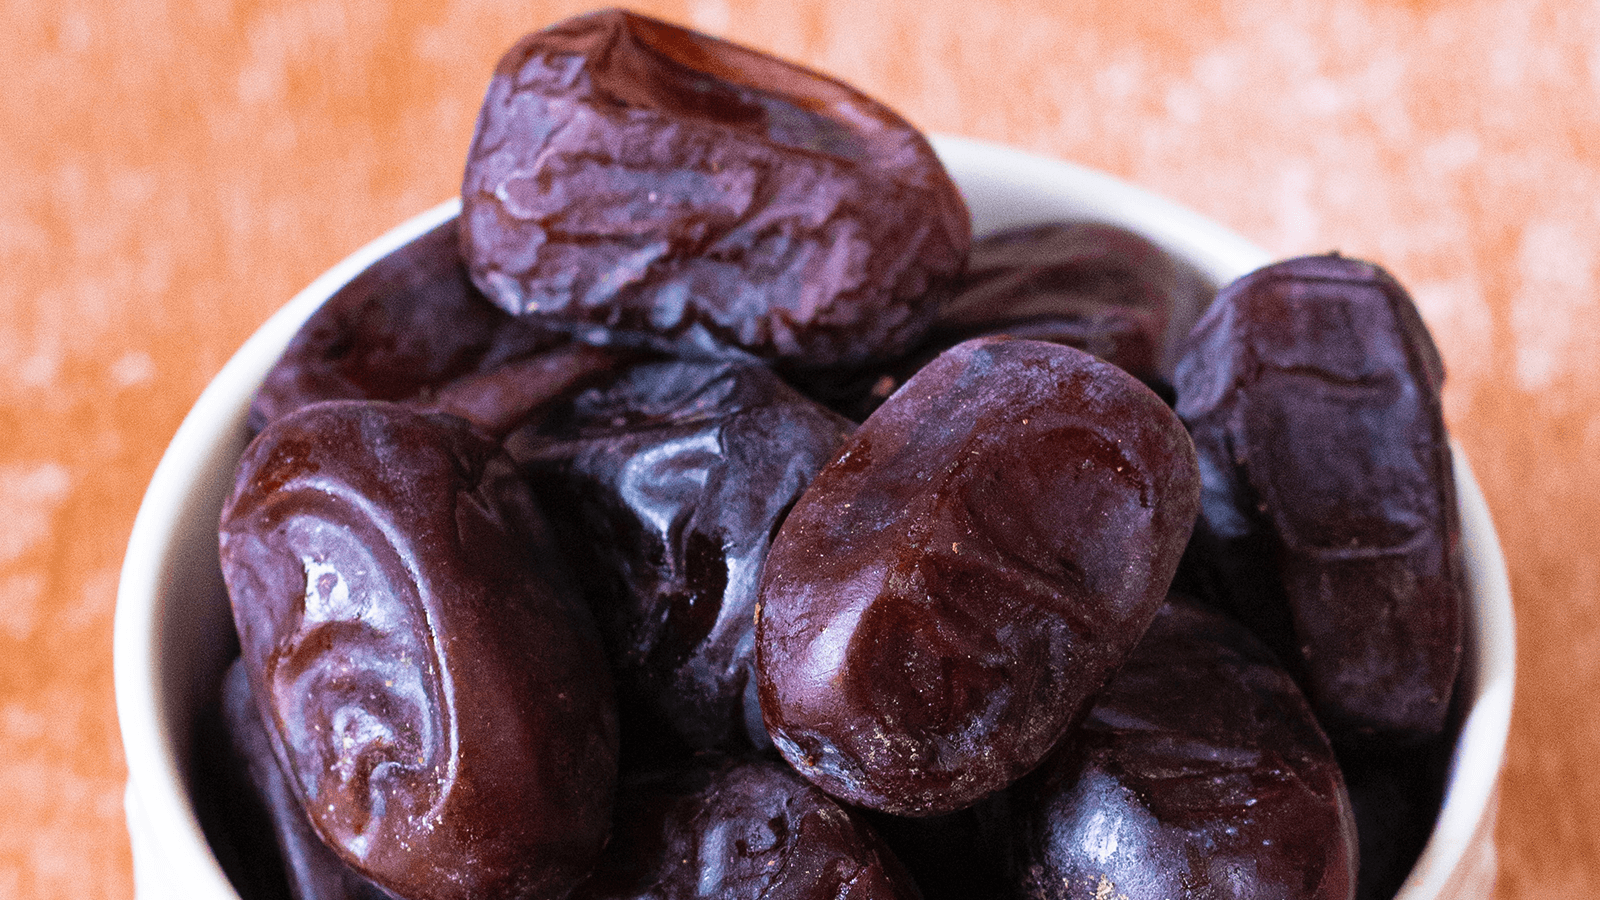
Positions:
{"x": 726, "y": 829}
{"x": 514, "y": 394}
{"x": 631, "y": 176}
{"x": 406, "y": 325}
{"x": 1329, "y": 518}
{"x": 1097, "y": 287}
{"x": 672, "y": 481}
{"x": 1200, "y": 772}
{"x": 1100, "y": 288}
{"x": 313, "y": 871}
{"x": 953, "y": 588}
{"x": 432, "y": 686}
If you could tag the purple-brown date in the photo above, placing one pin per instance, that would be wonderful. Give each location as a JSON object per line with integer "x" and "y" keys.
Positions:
{"x": 431, "y": 683}
{"x": 729, "y": 829}
{"x": 313, "y": 871}
{"x": 1329, "y": 520}
{"x": 1097, "y": 287}
{"x": 515, "y": 393}
{"x": 1199, "y": 774}
{"x": 953, "y": 588}
{"x": 407, "y": 324}
{"x": 671, "y": 482}
{"x": 628, "y": 176}
{"x": 231, "y": 812}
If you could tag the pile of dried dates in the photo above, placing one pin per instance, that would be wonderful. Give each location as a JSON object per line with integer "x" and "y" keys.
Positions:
{"x": 704, "y": 513}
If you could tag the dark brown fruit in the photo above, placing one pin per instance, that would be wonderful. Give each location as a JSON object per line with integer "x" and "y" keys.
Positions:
{"x": 406, "y": 325}
{"x": 666, "y": 488}
{"x": 231, "y": 814}
{"x": 1199, "y": 774}
{"x": 1329, "y": 519}
{"x": 731, "y": 830}
{"x": 433, "y": 689}
{"x": 1102, "y": 289}
{"x": 516, "y": 393}
{"x": 951, "y": 590}
{"x": 313, "y": 871}
{"x": 629, "y": 175}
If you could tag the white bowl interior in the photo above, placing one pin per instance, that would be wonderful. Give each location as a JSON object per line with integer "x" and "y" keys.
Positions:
{"x": 174, "y": 632}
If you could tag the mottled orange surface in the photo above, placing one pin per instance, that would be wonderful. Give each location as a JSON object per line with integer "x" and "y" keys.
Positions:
{"x": 171, "y": 172}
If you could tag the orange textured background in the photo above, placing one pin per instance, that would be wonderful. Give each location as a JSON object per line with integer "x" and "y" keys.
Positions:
{"x": 171, "y": 172}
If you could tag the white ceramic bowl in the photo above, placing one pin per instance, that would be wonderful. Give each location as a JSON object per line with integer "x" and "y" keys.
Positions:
{"x": 172, "y": 621}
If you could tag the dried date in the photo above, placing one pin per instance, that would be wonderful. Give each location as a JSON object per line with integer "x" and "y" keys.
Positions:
{"x": 631, "y": 176}
{"x": 723, "y": 829}
{"x": 406, "y": 325}
{"x": 1200, "y": 772}
{"x": 952, "y": 589}
{"x": 1329, "y": 519}
{"x": 432, "y": 686}
{"x": 1100, "y": 288}
{"x": 313, "y": 871}
{"x": 1097, "y": 287}
{"x": 514, "y": 394}
{"x": 672, "y": 481}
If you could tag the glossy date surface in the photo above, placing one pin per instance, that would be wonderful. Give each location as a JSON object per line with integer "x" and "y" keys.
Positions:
{"x": 1200, "y": 772}
{"x": 314, "y": 871}
{"x": 1329, "y": 518}
{"x": 432, "y": 686}
{"x": 405, "y": 326}
{"x": 671, "y": 481}
{"x": 1096, "y": 287}
{"x": 637, "y": 178}
{"x": 954, "y": 587}
{"x": 726, "y": 829}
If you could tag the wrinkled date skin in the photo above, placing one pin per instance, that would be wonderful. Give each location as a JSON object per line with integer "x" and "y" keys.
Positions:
{"x": 630, "y": 175}
{"x": 672, "y": 482}
{"x": 434, "y": 690}
{"x": 952, "y": 589}
{"x": 313, "y": 870}
{"x": 510, "y": 395}
{"x": 1329, "y": 517}
{"x": 1200, "y": 772}
{"x": 728, "y": 830}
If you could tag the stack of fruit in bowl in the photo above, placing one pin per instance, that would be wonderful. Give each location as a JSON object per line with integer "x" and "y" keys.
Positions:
{"x": 697, "y": 509}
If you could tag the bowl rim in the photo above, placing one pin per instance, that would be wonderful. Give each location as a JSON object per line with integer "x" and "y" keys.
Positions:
{"x": 158, "y": 807}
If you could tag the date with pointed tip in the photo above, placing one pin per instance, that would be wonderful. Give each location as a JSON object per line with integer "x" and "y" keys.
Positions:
{"x": 672, "y": 480}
